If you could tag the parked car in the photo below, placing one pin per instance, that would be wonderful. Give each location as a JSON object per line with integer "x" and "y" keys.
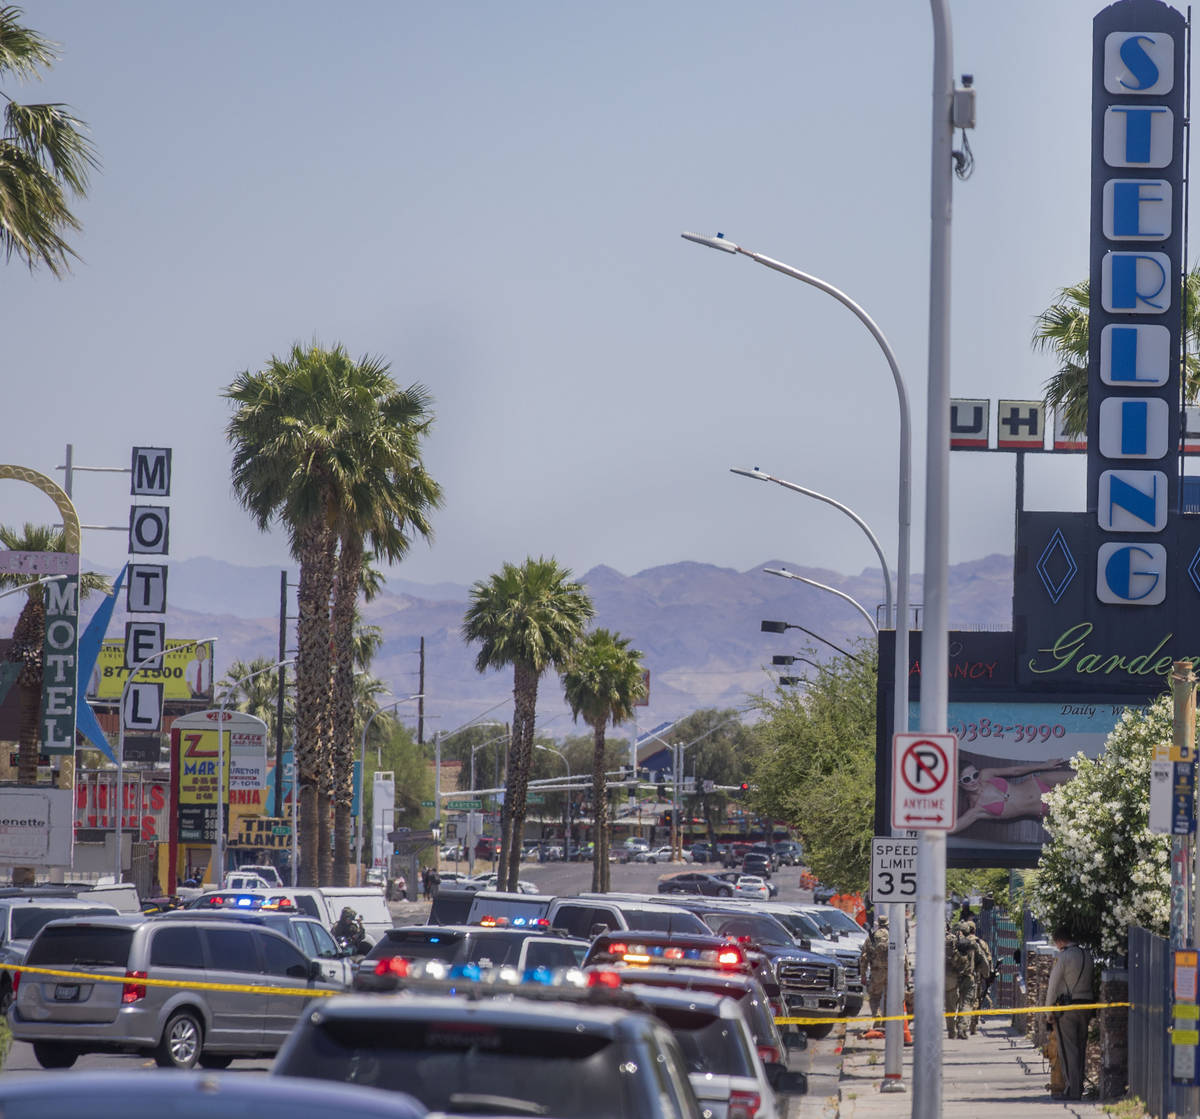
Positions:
{"x": 653, "y": 855}
{"x": 726, "y": 1072}
{"x": 583, "y": 915}
{"x": 751, "y": 886}
{"x": 22, "y": 918}
{"x": 306, "y": 933}
{"x": 633, "y": 845}
{"x": 509, "y": 1056}
{"x": 735, "y": 853}
{"x": 767, "y": 850}
{"x": 696, "y": 882}
{"x": 703, "y": 852}
{"x": 488, "y": 880}
{"x": 265, "y": 871}
{"x": 822, "y": 893}
{"x": 107, "y": 1009}
{"x": 195, "y": 1095}
{"x": 324, "y": 903}
{"x": 385, "y": 967}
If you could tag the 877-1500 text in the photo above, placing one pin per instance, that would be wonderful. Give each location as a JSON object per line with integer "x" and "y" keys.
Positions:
{"x": 1019, "y": 732}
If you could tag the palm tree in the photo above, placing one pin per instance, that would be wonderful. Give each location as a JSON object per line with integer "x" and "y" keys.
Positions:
{"x": 255, "y": 696}
{"x": 44, "y": 157}
{"x": 29, "y": 635}
{"x": 288, "y": 464}
{"x": 528, "y": 618}
{"x": 385, "y": 504}
{"x": 1062, "y": 329}
{"x": 602, "y": 682}
{"x": 329, "y": 447}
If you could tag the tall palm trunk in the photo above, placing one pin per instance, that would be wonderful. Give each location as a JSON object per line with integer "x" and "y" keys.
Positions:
{"x": 312, "y": 691}
{"x": 520, "y": 757}
{"x": 26, "y": 650}
{"x": 599, "y": 852}
{"x": 345, "y": 596}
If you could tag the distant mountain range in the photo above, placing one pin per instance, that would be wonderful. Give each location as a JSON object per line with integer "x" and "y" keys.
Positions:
{"x": 697, "y": 626}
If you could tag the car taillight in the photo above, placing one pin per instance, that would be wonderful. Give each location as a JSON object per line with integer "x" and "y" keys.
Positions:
{"x": 132, "y": 992}
{"x": 744, "y": 1105}
{"x": 768, "y": 1054}
{"x": 393, "y": 965}
{"x": 603, "y": 979}
{"x": 617, "y": 948}
{"x": 16, "y": 982}
{"x": 730, "y": 957}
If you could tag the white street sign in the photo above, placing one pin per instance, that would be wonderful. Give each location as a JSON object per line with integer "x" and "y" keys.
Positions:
{"x": 924, "y": 781}
{"x": 893, "y": 870}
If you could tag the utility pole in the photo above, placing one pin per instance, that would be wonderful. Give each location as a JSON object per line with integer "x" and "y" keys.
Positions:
{"x": 279, "y": 692}
{"x": 421, "y": 701}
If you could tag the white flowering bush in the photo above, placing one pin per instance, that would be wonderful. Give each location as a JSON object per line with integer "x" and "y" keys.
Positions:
{"x": 1103, "y": 870}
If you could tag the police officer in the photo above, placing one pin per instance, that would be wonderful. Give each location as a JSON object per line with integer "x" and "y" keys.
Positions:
{"x": 983, "y": 970}
{"x": 960, "y": 981}
{"x": 1071, "y": 980}
{"x": 348, "y": 927}
{"x": 873, "y": 963}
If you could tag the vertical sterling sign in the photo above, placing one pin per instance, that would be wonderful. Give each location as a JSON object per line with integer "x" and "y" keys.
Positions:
{"x": 1135, "y": 323}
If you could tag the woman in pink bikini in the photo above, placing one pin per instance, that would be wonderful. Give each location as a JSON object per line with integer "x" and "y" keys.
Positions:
{"x": 989, "y": 794}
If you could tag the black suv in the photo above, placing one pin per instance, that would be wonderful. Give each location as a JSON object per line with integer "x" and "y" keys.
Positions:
{"x": 756, "y": 862}
{"x": 497, "y": 1056}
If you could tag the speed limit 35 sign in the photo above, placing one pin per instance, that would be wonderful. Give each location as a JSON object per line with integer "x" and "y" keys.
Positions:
{"x": 893, "y": 870}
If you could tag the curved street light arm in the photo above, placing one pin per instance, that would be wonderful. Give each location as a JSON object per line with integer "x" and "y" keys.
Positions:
{"x": 822, "y": 586}
{"x": 763, "y": 476}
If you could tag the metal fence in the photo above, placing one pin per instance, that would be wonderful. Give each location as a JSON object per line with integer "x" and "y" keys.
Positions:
{"x": 1149, "y": 1053}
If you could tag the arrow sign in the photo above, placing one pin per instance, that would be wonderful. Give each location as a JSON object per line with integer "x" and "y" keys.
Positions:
{"x": 924, "y": 781}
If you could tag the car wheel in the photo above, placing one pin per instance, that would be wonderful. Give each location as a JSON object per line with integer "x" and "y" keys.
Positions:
{"x": 181, "y": 1041}
{"x": 651, "y": 860}
{"x": 50, "y": 1054}
{"x": 818, "y": 1032}
{"x": 725, "y": 893}
{"x": 215, "y": 1060}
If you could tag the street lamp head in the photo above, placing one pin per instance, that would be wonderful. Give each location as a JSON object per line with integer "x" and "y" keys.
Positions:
{"x": 774, "y": 627}
{"x": 754, "y": 472}
{"x": 790, "y": 681}
{"x": 783, "y": 659}
{"x": 717, "y": 242}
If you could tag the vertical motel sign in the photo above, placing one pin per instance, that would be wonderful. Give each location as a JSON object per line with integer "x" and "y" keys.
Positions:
{"x": 1136, "y": 265}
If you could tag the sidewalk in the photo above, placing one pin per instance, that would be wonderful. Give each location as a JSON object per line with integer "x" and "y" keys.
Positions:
{"x": 997, "y": 1074}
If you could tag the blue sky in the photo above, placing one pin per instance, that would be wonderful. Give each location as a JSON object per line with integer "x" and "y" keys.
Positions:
{"x": 490, "y": 197}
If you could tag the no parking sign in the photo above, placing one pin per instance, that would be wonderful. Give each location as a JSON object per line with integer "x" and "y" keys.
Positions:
{"x": 924, "y": 781}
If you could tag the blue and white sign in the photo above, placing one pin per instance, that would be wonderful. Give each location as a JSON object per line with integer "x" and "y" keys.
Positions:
{"x": 1131, "y": 574}
{"x": 1139, "y": 62}
{"x": 1136, "y": 356}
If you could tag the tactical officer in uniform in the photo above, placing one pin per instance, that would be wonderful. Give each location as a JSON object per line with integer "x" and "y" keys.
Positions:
{"x": 349, "y": 927}
{"x": 873, "y": 963}
{"x": 983, "y": 969}
{"x": 960, "y": 981}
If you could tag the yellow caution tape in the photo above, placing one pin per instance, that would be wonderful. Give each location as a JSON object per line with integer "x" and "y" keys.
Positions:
{"x": 788, "y": 1021}
{"x": 250, "y": 988}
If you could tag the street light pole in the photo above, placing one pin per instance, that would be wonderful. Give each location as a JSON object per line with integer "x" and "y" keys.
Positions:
{"x": 221, "y": 798}
{"x": 824, "y": 587}
{"x": 119, "y": 806}
{"x": 567, "y": 802}
{"x": 935, "y": 654}
{"x": 893, "y": 1052}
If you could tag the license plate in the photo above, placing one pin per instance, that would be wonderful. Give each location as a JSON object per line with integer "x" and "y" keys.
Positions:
{"x": 66, "y": 992}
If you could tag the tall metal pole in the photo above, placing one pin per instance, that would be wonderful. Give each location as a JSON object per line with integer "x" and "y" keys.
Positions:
{"x": 279, "y": 694}
{"x": 931, "y": 852}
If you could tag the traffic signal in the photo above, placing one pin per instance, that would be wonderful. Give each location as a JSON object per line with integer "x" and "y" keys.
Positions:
{"x": 662, "y": 792}
{"x": 745, "y": 786}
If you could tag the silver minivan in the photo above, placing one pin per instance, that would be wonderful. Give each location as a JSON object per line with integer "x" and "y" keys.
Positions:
{"x": 65, "y": 1016}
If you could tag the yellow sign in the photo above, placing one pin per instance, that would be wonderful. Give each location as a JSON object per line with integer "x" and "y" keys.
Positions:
{"x": 1185, "y": 1037}
{"x": 184, "y": 673}
{"x": 1186, "y": 1011}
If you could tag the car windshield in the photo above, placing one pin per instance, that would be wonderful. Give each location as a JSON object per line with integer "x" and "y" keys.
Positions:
{"x": 757, "y": 926}
{"x": 74, "y": 945}
{"x": 471, "y": 1066}
{"x": 416, "y": 945}
{"x": 713, "y": 1045}
{"x": 843, "y": 922}
{"x": 799, "y": 925}
{"x": 27, "y": 921}
{"x": 648, "y": 920}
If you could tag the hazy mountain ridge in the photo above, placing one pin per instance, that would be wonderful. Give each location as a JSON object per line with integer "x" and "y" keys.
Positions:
{"x": 696, "y": 624}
